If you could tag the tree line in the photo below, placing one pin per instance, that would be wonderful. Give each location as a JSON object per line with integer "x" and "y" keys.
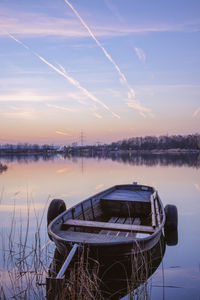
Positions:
{"x": 26, "y": 148}
{"x": 164, "y": 142}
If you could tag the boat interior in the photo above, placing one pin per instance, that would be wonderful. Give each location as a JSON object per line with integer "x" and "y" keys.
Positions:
{"x": 120, "y": 213}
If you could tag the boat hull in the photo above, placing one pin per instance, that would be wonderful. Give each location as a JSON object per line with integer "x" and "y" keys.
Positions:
{"x": 120, "y": 201}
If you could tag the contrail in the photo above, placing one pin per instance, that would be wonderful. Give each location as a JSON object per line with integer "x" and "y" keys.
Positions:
{"x": 69, "y": 78}
{"x": 131, "y": 94}
{"x": 122, "y": 76}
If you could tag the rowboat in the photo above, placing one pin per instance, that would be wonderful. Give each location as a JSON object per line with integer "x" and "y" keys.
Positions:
{"x": 116, "y": 278}
{"x": 121, "y": 220}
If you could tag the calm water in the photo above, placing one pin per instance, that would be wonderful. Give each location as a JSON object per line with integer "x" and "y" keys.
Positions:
{"x": 36, "y": 181}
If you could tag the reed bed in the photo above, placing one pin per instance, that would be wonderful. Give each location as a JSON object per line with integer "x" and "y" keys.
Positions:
{"x": 25, "y": 256}
{"x": 28, "y": 258}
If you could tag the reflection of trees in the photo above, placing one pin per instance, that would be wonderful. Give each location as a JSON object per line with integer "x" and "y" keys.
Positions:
{"x": 28, "y": 158}
{"x": 149, "y": 159}
{"x": 191, "y": 160}
{"x": 3, "y": 168}
{"x": 142, "y": 159}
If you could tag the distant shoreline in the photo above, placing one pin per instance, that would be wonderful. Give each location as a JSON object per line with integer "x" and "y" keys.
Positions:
{"x": 84, "y": 150}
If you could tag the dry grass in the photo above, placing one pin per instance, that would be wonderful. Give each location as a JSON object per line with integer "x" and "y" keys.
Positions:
{"x": 26, "y": 257}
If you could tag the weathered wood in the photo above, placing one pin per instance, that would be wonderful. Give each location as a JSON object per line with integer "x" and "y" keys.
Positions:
{"x": 153, "y": 215}
{"x": 110, "y": 226}
{"x": 128, "y": 221}
{"x": 56, "y": 289}
{"x": 111, "y": 220}
{"x": 157, "y": 212}
{"x": 92, "y": 208}
{"x": 94, "y": 238}
{"x": 82, "y": 211}
{"x": 136, "y": 221}
{"x": 67, "y": 262}
{"x": 119, "y": 221}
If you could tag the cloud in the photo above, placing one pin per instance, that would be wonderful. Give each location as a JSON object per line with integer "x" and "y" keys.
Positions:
{"x": 65, "y": 108}
{"x": 196, "y": 112}
{"x": 22, "y": 114}
{"x": 25, "y": 96}
{"x": 140, "y": 54}
{"x": 98, "y": 116}
{"x": 70, "y": 79}
{"x": 17, "y": 22}
{"x": 123, "y": 79}
{"x": 144, "y": 111}
{"x": 40, "y": 25}
{"x": 63, "y": 133}
{"x": 114, "y": 10}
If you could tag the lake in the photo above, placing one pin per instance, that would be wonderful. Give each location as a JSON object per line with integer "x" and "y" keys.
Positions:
{"x": 29, "y": 183}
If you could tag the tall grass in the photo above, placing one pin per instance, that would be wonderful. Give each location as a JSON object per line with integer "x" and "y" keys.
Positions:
{"x": 24, "y": 263}
{"x": 28, "y": 258}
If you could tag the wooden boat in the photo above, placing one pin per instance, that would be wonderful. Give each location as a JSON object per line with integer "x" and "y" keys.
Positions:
{"x": 121, "y": 220}
{"x": 116, "y": 278}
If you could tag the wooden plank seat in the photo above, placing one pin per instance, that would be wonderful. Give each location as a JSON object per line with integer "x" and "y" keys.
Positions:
{"x": 107, "y": 226}
{"x": 85, "y": 237}
{"x": 111, "y": 220}
{"x": 129, "y": 220}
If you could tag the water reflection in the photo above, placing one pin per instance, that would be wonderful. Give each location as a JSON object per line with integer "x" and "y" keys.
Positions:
{"x": 76, "y": 178}
{"x": 149, "y": 159}
{"x": 115, "y": 277}
{"x": 3, "y": 168}
{"x": 146, "y": 159}
{"x": 28, "y": 158}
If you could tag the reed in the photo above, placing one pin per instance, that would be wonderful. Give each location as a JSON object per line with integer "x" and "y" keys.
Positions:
{"x": 24, "y": 259}
{"x": 28, "y": 258}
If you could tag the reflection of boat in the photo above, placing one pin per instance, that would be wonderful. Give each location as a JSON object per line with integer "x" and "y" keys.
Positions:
{"x": 117, "y": 276}
{"x": 127, "y": 273}
{"x": 121, "y": 220}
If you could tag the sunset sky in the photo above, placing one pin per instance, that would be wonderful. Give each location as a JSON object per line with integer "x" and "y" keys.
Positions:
{"x": 112, "y": 69}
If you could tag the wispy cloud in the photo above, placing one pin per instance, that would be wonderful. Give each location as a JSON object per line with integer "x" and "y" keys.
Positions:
{"x": 62, "y": 133}
{"x": 140, "y": 54}
{"x": 114, "y": 10}
{"x": 95, "y": 112}
{"x": 69, "y": 78}
{"x": 122, "y": 76}
{"x": 144, "y": 111}
{"x": 40, "y": 25}
{"x": 196, "y": 112}
{"x": 25, "y": 96}
{"x": 18, "y": 23}
{"x": 59, "y": 107}
{"x": 97, "y": 115}
{"x": 20, "y": 114}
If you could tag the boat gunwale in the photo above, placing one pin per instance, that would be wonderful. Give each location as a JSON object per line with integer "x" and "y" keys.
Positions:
{"x": 158, "y": 229}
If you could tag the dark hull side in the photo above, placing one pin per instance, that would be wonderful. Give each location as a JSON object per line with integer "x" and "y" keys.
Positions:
{"x": 103, "y": 248}
{"x": 118, "y": 275}
{"x": 105, "y": 251}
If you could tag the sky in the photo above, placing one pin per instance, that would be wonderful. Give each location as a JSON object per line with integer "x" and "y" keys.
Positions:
{"x": 111, "y": 69}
